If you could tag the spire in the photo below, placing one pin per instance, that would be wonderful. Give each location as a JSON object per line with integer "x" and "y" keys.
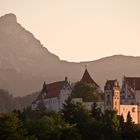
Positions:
{"x": 44, "y": 88}
{"x": 85, "y": 67}
{"x": 87, "y": 78}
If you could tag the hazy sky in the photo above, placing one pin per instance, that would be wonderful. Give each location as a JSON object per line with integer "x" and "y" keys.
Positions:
{"x": 80, "y": 30}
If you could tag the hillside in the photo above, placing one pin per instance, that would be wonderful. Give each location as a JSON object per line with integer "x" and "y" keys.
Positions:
{"x": 8, "y": 103}
{"x": 25, "y": 63}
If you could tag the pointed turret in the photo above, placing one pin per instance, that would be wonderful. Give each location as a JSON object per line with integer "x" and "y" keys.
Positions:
{"x": 87, "y": 78}
{"x": 44, "y": 88}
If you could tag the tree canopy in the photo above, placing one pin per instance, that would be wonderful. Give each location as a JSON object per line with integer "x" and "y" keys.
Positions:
{"x": 88, "y": 92}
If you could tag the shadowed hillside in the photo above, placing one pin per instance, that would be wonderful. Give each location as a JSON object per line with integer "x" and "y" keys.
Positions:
{"x": 8, "y": 103}
{"x": 25, "y": 63}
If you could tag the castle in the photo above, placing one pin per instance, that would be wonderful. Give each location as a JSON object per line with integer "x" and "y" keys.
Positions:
{"x": 53, "y": 95}
{"x": 113, "y": 101}
{"x": 123, "y": 100}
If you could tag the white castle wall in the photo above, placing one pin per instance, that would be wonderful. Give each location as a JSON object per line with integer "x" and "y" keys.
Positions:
{"x": 63, "y": 96}
{"x": 124, "y": 109}
{"x": 52, "y": 104}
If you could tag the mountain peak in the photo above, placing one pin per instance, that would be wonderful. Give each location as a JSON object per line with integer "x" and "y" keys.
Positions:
{"x": 8, "y": 18}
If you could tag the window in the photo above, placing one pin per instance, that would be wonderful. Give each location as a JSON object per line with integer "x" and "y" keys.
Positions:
{"x": 133, "y": 109}
{"x": 108, "y": 100}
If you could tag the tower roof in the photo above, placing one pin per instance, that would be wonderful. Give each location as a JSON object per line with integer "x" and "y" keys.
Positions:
{"x": 133, "y": 82}
{"x": 110, "y": 84}
{"x": 87, "y": 78}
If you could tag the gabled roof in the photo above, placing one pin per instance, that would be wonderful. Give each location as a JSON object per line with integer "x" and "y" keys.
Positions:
{"x": 87, "y": 78}
{"x": 110, "y": 84}
{"x": 51, "y": 90}
{"x": 133, "y": 82}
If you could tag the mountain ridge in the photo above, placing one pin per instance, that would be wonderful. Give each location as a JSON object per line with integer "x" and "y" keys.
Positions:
{"x": 25, "y": 63}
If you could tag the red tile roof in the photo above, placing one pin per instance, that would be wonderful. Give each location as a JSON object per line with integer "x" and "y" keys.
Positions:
{"x": 54, "y": 89}
{"x": 87, "y": 78}
{"x": 133, "y": 82}
{"x": 50, "y": 90}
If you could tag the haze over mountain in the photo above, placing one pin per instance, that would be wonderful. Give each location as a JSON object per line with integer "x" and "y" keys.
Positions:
{"x": 25, "y": 63}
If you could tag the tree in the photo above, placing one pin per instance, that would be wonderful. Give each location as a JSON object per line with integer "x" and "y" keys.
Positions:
{"x": 129, "y": 132}
{"x": 96, "y": 111}
{"x": 110, "y": 125}
{"x": 86, "y": 91}
{"x": 121, "y": 119}
{"x": 69, "y": 132}
{"x": 54, "y": 128}
{"x": 129, "y": 121}
{"x": 11, "y": 128}
{"x": 76, "y": 113}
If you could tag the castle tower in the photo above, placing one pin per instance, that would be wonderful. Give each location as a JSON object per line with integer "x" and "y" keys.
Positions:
{"x": 130, "y": 87}
{"x": 112, "y": 95}
{"x": 87, "y": 79}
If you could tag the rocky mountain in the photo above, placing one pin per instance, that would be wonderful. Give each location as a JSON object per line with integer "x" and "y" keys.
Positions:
{"x": 25, "y": 63}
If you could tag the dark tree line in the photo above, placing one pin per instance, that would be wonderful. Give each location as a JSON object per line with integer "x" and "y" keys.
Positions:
{"x": 100, "y": 126}
{"x": 73, "y": 122}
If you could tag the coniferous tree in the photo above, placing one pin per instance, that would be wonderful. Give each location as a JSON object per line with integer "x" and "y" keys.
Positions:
{"x": 110, "y": 125}
{"x": 121, "y": 118}
{"x": 129, "y": 132}
{"x": 96, "y": 111}
{"x": 11, "y": 128}
{"x": 129, "y": 121}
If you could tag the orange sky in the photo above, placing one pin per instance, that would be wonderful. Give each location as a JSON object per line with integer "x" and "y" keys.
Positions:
{"x": 80, "y": 30}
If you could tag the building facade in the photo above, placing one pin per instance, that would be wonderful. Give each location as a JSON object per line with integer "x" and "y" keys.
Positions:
{"x": 113, "y": 101}
{"x": 53, "y": 95}
{"x": 123, "y": 100}
{"x": 131, "y": 92}
{"x": 112, "y": 95}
